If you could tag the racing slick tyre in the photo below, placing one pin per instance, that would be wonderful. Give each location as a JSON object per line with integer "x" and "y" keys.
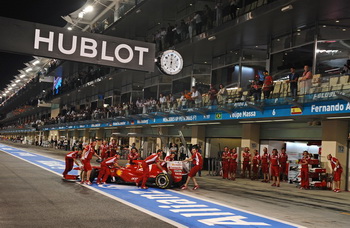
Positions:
{"x": 164, "y": 180}
{"x": 93, "y": 175}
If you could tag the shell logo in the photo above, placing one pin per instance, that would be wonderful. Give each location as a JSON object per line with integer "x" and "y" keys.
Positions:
{"x": 119, "y": 172}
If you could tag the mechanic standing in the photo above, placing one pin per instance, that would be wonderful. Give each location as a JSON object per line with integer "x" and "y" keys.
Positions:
{"x": 265, "y": 160}
{"x": 152, "y": 159}
{"x": 133, "y": 155}
{"x": 246, "y": 162}
{"x": 170, "y": 157}
{"x": 256, "y": 163}
{"x": 224, "y": 160}
{"x": 197, "y": 162}
{"x": 283, "y": 158}
{"x": 86, "y": 157}
{"x": 304, "y": 172}
{"x": 113, "y": 148}
{"x": 71, "y": 158}
{"x": 104, "y": 150}
{"x": 337, "y": 171}
{"x": 275, "y": 168}
{"x": 106, "y": 167}
{"x": 233, "y": 164}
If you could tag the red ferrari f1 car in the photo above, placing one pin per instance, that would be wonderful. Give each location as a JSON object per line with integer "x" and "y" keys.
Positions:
{"x": 132, "y": 173}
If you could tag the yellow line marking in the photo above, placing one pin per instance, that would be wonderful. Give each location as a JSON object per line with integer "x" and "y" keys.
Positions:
{"x": 344, "y": 213}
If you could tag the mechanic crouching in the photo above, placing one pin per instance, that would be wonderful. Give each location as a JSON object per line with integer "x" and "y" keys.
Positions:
{"x": 71, "y": 158}
{"x": 152, "y": 159}
{"x": 106, "y": 167}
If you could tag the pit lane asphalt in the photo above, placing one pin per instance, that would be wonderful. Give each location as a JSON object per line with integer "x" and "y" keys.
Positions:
{"x": 33, "y": 197}
{"x": 310, "y": 208}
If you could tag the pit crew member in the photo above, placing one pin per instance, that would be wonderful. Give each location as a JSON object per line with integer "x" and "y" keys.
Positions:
{"x": 133, "y": 155}
{"x": 283, "y": 159}
{"x": 197, "y": 162}
{"x": 104, "y": 150}
{"x": 168, "y": 158}
{"x": 233, "y": 164}
{"x": 255, "y": 165}
{"x": 71, "y": 158}
{"x": 106, "y": 167}
{"x": 337, "y": 171}
{"x": 224, "y": 159}
{"x": 86, "y": 157}
{"x": 304, "y": 172}
{"x": 265, "y": 165}
{"x": 152, "y": 159}
{"x": 275, "y": 168}
{"x": 246, "y": 162}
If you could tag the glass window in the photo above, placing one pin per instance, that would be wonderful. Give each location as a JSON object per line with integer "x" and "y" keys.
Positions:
{"x": 297, "y": 57}
{"x": 181, "y": 85}
{"x": 331, "y": 56}
{"x": 226, "y": 76}
{"x": 150, "y": 92}
{"x": 202, "y": 83}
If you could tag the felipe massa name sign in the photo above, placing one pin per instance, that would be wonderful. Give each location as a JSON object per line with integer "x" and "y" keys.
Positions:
{"x": 54, "y": 42}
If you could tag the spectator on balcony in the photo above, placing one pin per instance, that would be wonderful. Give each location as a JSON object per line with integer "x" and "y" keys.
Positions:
{"x": 213, "y": 93}
{"x": 184, "y": 30}
{"x": 233, "y": 9}
{"x": 196, "y": 97}
{"x": 256, "y": 87}
{"x": 268, "y": 84}
{"x": 191, "y": 27}
{"x": 222, "y": 94}
{"x": 305, "y": 81}
{"x": 183, "y": 101}
{"x": 293, "y": 83}
{"x": 198, "y": 19}
{"x": 163, "y": 102}
{"x": 218, "y": 12}
{"x": 139, "y": 105}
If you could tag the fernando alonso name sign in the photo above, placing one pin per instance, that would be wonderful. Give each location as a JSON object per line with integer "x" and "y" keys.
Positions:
{"x": 54, "y": 42}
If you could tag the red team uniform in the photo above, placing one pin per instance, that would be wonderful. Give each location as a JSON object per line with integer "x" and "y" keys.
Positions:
{"x": 233, "y": 163}
{"x": 132, "y": 156}
{"x": 225, "y": 164}
{"x": 90, "y": 151}
{"x": 283, "y": 158}
{"x": 104, "y": 151}
{"x": 105, "y": 171}
{"x": 70, "y": 161}
{"x": 112, "y": 149}
{"x": 337, "y": 172}
{"x": 265, "y": 158}
{"x": 167, "y": 158}
{"x": 197, "y": 163}
{"x": 304, "y": 173}
{"x": 275, "y": 172}
{"x": 246, "y": 161}
{"x": 154, "y": 158}
{"x": 256, "y": 161}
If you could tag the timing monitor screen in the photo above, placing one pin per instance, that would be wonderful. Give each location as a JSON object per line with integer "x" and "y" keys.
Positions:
{"x": 57, "y": 83}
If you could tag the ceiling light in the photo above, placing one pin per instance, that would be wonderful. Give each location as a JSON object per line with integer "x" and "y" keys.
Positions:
{"x": 138, "y": 11}
{"x": 29, "y": 69}
{"x": 324, "y": 26}
{"x": 13, "y": 85}
{"x": 22, "y": 76}
{"x": 209, "y": 123}
{"x": 18, "y": 80}
{"x": 338, "y": 117}
{"x": 134, "y": 127}
{"x": 81, "y": 15}
{"x": 343, "y": 29}
{"x": 4, "y": 94}
{"x": 88, "y": 9}
{"x": 211, "y": 38}
{"x": 265, "y": 121}
{"x": 36, "y": 62}
{"x": 70, "y": 28}
{"x": 9, "y": 89}
{"x": 337, "y": 21}
{"x": 164, "y": 125}
{"x": 287, "y": 8}
{"x": 298, "y": 30}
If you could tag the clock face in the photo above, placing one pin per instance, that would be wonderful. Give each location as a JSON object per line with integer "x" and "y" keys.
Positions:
{"x": 171, "y": 62}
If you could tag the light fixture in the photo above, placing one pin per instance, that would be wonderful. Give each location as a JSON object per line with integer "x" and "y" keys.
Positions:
{"x": 88, "y": 9}
{"x": 265, "y": 121}
{"x": 343, "y": 29}
{"x": 338, "y": 117}
{"x": 211, "y": 38}
{"x": 134, "y": 127}
{"x": 337, "y": 21}
{"x": 9, "y": 89}
{"x": 13, "y": 85}
{"x": 164, "y": 125}
{"x": 138, "y": 11}
{"x": 81, "y": 15}
{"x": 286, "y": 8}
{"x": 29, "y": 69}
{"x": 197, "y": 124}
{"x": 22, "y": 76}
{"x": 298, "y": 30}
{"x": 69, "y": 28}
{"x": 36, "y": 62}
{"x": 18, "y": 80}
{"x": 4, "y": 94}
{"x": 324, "y": 26}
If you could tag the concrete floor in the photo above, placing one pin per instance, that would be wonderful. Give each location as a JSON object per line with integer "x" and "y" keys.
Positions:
{"x": 30, "y": 195}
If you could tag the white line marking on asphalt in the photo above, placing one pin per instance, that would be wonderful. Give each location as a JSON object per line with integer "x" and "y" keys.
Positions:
{"x": 171, "y": 222}
{"x": 239, "y": 209}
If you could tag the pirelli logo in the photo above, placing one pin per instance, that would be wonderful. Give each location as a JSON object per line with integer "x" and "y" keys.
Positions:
{"x": 296, "y": 111}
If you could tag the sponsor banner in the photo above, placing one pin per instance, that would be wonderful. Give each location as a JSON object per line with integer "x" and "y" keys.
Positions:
{"x": 54, "y": 42}
{"x": 319, "y": 108}
{"x": 176, "y": 206}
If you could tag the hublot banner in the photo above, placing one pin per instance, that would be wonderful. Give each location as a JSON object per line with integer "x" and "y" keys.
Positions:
{"x": 59, "y": 43}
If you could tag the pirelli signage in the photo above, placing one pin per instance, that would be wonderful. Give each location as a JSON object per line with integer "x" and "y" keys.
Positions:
{"x": 53, "y": 42}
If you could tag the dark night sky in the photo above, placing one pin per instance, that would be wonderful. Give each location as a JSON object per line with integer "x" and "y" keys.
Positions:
{"x": 40, "y": 11}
